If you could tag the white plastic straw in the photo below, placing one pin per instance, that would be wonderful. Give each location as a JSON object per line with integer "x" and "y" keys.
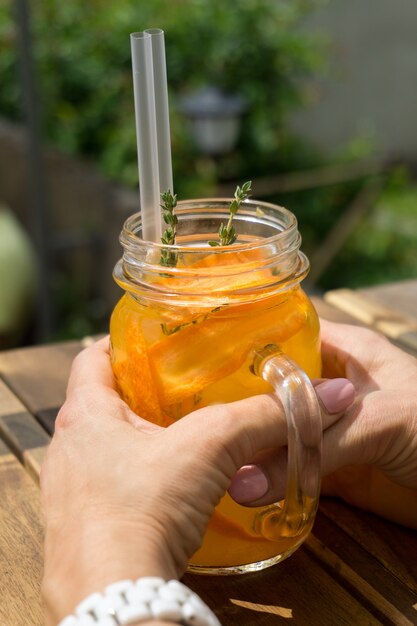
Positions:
{"x": 163, "y": 135}
{"x": 152, "y": 126}
{"x": 146, "y": 134}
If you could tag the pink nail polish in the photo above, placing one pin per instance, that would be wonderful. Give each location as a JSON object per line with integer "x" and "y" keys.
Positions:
{"x": 337, "y": 394}
{"x": 249, "y": 484}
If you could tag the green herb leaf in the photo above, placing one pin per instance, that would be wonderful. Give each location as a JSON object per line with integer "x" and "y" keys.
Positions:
{"x": 170, "y": 331}
{"x": 169, "y": 258}
{"x": 227, "y": 233}
{"x": 197, "y": 320}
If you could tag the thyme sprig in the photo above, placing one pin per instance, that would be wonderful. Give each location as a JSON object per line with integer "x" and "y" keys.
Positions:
{"x": 170, "y": 330}
{"x": 227, "y": 234}
{"x": 169, "y": 202}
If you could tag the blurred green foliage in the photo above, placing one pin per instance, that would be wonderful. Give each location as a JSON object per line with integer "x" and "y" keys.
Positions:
{"x": 383, "y": 247}
{"x": 250, "y": 47}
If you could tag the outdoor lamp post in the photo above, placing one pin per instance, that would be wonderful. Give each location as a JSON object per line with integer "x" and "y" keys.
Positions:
{"x": 215, "y": 119}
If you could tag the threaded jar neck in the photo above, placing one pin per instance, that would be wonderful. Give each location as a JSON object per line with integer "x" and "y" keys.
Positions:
{"x": 265, "y": 259}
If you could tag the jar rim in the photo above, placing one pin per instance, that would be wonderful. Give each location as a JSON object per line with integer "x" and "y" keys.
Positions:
{"x": 287, "y": 227}
{"x": 273, "y": 262}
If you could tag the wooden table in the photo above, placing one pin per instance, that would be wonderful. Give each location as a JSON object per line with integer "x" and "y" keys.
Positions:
{"x": 355, "y": 569}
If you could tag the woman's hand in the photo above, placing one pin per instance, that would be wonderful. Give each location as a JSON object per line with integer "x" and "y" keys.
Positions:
{"x": 124, "y": 498}
{"x": 370, "y": 454}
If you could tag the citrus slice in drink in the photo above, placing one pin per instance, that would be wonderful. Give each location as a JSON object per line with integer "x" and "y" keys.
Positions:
{"x": 195, "y": 356}
{"x": 134, "y": 378}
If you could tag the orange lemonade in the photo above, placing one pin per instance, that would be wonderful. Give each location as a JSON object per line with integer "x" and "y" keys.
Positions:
{"x": 173, "y": 357}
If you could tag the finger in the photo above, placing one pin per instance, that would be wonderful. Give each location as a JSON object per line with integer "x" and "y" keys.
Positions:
{"x": 334, "y": 349}
{"x": 264, "y": 480}
{"x": 92, "y": 367}
{"x": 354, "y": 352}
{"x": 92, "y": 394}
{"x": 370, "y": 432}
{"x": 230, "y": 435}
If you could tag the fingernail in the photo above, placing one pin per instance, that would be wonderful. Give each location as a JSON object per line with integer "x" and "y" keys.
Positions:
{"x": 249, "y": 484}
{"x": 336, "y": 394}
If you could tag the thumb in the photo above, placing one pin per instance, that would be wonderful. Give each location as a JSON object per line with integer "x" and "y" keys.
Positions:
{"x": 264, "y": 480}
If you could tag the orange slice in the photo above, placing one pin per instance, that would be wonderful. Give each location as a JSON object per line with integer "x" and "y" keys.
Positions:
{"x": 193, "y": 358}
{"x": 222, "y": 274}
{"x": 135, "y": 380}
{"x": 187, "y": 361}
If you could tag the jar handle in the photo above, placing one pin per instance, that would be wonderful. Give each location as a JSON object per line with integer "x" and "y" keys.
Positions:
{"x": 295, "y": 515}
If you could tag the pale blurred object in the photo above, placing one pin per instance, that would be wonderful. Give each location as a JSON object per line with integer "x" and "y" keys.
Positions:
{"x": 17, "y": 279}
{"x": 215, "y": 119}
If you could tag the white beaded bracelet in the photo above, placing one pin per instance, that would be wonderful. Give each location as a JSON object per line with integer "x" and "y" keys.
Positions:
{"x": 130, "y": 602}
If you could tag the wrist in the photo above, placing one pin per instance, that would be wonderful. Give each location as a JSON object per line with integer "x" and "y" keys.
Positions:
{"x": 81, "y": 558}
{"x": 147, "y": 600}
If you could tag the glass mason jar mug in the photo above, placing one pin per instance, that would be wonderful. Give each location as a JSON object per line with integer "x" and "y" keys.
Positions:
{"x": 201, "y": 325}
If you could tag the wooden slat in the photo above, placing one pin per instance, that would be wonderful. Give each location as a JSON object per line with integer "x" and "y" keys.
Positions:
{"x": 362, "y": 566}
{"x": 400, "y": 297}
{"x": 394, "y": 546}
{"x": 397, "y": 326}
{"x": 20, "y": 545}
{"x": 328, "y": 312}
{"x": 38, "y": 377}
{"x": 297, "y": 591}
{"x": 386, "y": 611}
{"x": 22, "y": 432}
